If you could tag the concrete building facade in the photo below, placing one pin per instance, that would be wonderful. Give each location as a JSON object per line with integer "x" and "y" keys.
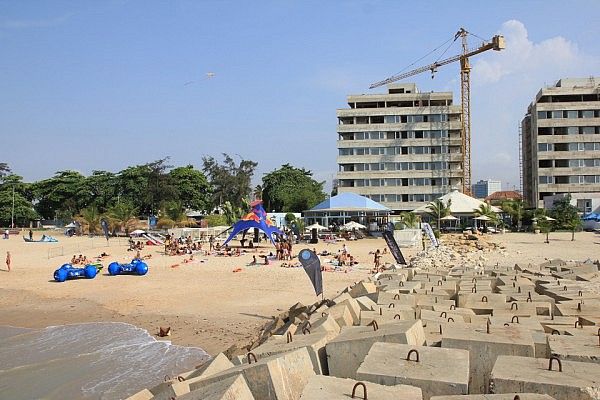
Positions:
{"x": 561, "y": 142}
{"x": 401, "y": 148}
{"x": 484, "y": 188}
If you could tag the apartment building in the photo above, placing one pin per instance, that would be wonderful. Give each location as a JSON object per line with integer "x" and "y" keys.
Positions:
{"x": 561, "y": 143}
{"x": 484, "y": 188}
{"x": 401, "y": 148}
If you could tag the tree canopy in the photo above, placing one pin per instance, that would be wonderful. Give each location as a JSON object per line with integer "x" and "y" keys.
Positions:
{"x": 230, "y": 182}
{"x": 290, "y": 189}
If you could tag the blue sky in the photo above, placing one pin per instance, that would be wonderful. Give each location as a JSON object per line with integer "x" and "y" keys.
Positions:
{"x": 91, "y": 85}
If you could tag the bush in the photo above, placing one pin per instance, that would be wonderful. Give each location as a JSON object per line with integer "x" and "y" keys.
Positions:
{"x": 165, "y": 223}
{"x": 289, "y": 217}
{"x": 215, "y": 220}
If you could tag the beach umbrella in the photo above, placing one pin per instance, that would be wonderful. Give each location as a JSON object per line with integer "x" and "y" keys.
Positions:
{"x": 138, "y": 232}
{"x": 449, "y": 218}
{"x": 483, "y": 218}
{"x": 316, "y": 226}
{"x": 353, "y": 225}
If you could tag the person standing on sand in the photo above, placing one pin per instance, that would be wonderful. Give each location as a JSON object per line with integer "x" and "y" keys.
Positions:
{"x": 8, "y": 260}
{"x": 30, "y": 234}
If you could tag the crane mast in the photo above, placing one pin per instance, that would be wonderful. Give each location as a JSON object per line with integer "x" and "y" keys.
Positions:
{"x": 497, "y": 43}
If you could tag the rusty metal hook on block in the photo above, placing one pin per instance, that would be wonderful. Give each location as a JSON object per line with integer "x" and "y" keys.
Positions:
{"x": 484, "y": 297}
{"x": 167, "y": 378}
{"x": 555, "y": 332}
{"x": 529, "y": 295}
{"x": 305, "y": 329}
{"x": 380, "y": 311}
{"x": 579, "y": 306}
{"x": 452, "y": 307}
{"x": 443, "y": 314}
{"x": 580, "y": 293}
{"x": 364, "y": 390}
{"x": 289, "y": 337}
{"x": 180, "y": 378}
{"x": 450, "y": 318}
{"x": 441, "y": 329}
{"x": 578, "y": 323}
{"x": 474, "y": 289}
{"x": 389, "y": 277}
{"x": 512, "y": 320}
{"x": 487, "y": 327}
{"x": 517, "y": 397}
{"x": 308, "y": 324}
{"x": 515, "y": 305}
{"x": 514, "y": 284}
{"x": 397, "y": 315}
{"x": 396, "y": 296}
{"x": 598, "y": 332}
{"x": 410, "y": 353}
{"x": 528, "y": 300}
{"x": 426, "y": 292}
{"x": 374, "y": 324}
{"x": 401, "y": 284}
{"x": 565, "y": 288}
{"x": 440, "y": 283}
{"x": 392, "y": 305}
{"x": 323, "y": 314}
{"x": 506, "y": 324}
{"x": 519, "y": 289}
{"x": 550, "y": 364}
{"x": 474, "y": 280}
{"x": 253, "y": 356}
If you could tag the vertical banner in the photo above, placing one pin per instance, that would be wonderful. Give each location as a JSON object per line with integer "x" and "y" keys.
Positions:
{"x": 429, "y": 232}
{"x": 312, "y": 267}
{"x": 393, "y": 246}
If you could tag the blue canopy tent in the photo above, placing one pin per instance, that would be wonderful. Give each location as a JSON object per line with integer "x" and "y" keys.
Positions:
{"x": 257, "y": 218}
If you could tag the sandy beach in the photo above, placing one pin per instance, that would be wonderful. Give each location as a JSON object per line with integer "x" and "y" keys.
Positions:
{"x": 206, "y": 304}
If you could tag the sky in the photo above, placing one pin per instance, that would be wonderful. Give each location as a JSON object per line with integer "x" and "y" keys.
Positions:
{"x": 102, "y": 85}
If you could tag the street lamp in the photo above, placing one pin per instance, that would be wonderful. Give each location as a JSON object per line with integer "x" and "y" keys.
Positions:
{"x": 12, "y": 214}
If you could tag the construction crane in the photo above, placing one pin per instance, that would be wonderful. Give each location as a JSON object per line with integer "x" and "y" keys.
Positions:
{"x": 497, "y": 43}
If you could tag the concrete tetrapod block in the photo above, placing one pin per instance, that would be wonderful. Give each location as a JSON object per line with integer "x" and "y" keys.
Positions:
{"x": 507, "y": 396}
{"x": 435, "y": 370}
{"x": 347, "y": 351}
{"x": 365, "y": 303}
{"x": 280, "y": 377}
{"x": 576, "y": 381}
{"x": 331, "y": 388}
{"x": 314, "y": 343}
{"x": 382, "y": 315}
{"x": 385, "y": 298}
{"x": 232, "y": 388}
{"x": 143, "y": 394}
{"x": 362, "y": 288}
{"x": 575, "y": 348}
{"x": 217, "y": 364}
{"x": 341, "y": 314}
{"x": 352, "y": 305}
{"x": 485, "y": 347}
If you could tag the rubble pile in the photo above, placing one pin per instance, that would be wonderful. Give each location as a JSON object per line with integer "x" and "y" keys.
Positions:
{"x": 446, "y": 327}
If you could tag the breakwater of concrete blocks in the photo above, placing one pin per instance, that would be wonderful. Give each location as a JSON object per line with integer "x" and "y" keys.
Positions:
{"x": 445, "y": 328}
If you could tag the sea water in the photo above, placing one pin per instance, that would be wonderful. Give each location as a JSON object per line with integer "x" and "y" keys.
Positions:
{"x": 104, "y": 360}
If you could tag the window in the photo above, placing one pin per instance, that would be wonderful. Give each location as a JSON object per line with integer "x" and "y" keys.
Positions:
{"x": 576, "y": 179}
{"x": 557, "y": 114}
{"x": 589, "y": 179}
{"x": 375, "y": 182}
{"x": 573, "y": 130}
{"x": 545, "y": 163}
{"x": 588, "y": 130}
{"x": 576, "y": 163}
{"x": 542, "y": 115}
{"x": 584, "y": 205}
{"x": 545, "y": 180}
{"x": 587, "y": 114}
{"x": 345, "y": 152}
{"x": 572, "y": 114}
{"x": 391, "y": 198}
{"x": 545, "y": 147}
{"x": 390, "y": 119}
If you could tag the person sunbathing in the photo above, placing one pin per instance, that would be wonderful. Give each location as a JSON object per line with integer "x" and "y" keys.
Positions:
{"x": 74, "y": 260}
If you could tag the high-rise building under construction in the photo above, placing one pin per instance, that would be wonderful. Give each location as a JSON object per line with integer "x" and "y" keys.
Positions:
{"x": 401, "y": 148}
{"x": 561, "y": 143}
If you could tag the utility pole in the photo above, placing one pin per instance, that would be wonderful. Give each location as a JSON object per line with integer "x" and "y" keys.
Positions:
{"x": 12, "y": 214}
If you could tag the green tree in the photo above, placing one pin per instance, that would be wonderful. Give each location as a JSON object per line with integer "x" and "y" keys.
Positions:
{"x": 192, "y": 187}
{"x": 486, "y": 210}
{"x": 409, "y": 219}
{"x": 147, "y": 186}
{"x": 123, "y": 216}
{"x": 563, "y": 212}
{"x": 438, "y": 210}
{"x": 89, "y": 218}
{"x": 4, "y": 170}
{"x": 23, "y": 208}
{"x": 574, "y": 225}
{"x": 102, "y": 189}
{"x": 516, "y": 210}
{"x": 289, "y": 217}
{"x": 215, "y": 220}
{"x": 62, "y": 195}
{"x": 232, "y": 213}
{"x": 291, "y": 189}
{"x": 230, "y": 182}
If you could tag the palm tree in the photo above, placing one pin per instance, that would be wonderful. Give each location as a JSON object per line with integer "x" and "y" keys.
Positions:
{"x": 90, "y": 218}
{"x": 439, "y": 210}
{"x": 123, "y": 216}
{"x": 573, "y": 225}
{"x": 486, "y": 210}
{"x": 409, "y": 219}
{"x": 258, "y": 190}
{"x": 514, "y": 208}
{"x": 233, "y": 214}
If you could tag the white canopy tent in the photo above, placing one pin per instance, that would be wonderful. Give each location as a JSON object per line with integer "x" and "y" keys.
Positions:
{"x": 353, "y": 225}
{"x": 317, "y": 226}
{"x": 460, "y": 204}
